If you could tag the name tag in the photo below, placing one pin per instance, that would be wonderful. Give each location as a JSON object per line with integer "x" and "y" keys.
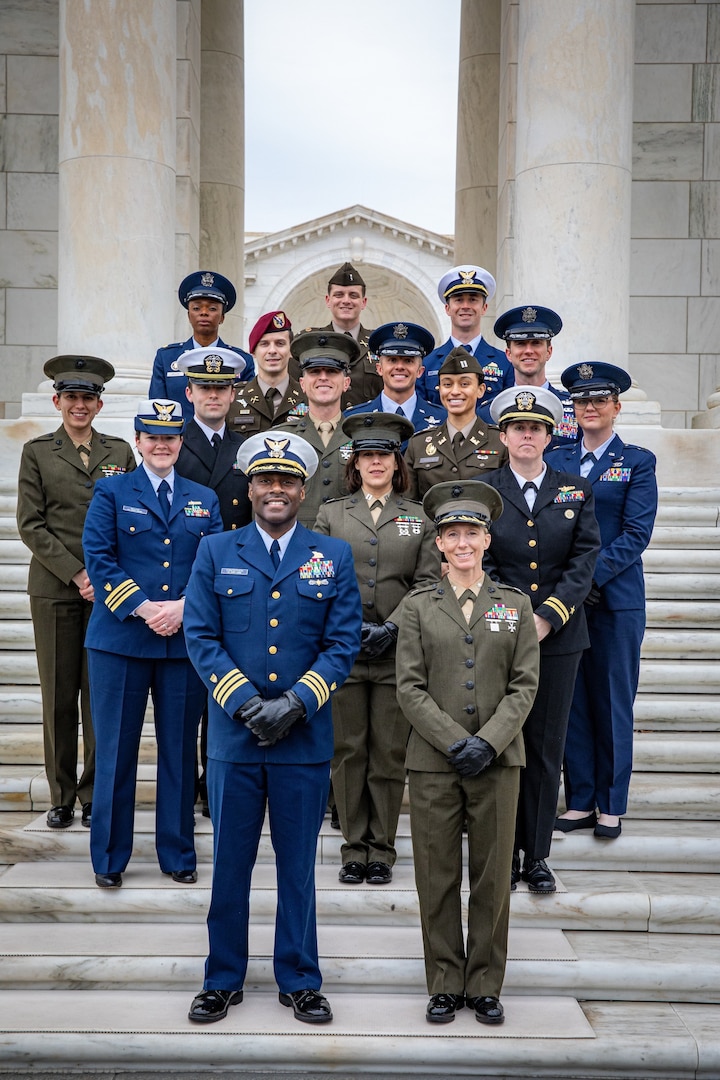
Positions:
{"x": 240, "y": 570}
{"x": 134, "y": 510}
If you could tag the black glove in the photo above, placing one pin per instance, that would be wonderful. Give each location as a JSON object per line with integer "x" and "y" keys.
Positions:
{"x": 274, "y": 719}
{"x": 249, "y": 709}
{"x": 379, "y": 640}
{"x": 470, "y": 756}
{"x": 593, "y": 597}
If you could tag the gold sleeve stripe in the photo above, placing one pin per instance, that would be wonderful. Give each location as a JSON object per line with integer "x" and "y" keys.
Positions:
{"x": 319, "y": 687}
{"x": 559, "y": 607}
{"x": 228, "y": 685}
{"x": 120, "y": 594}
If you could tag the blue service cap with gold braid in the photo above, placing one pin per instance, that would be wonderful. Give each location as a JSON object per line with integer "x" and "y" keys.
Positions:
{"x": 466, "y": 502}
{"x": 529, "y": 323}
{"x": 466, "y": 278}
{"x": 526, "y": 403}
{"x": 592, "y": 380}
{"x": 159, "y": 417}
{"x": 277, "y": 452}
{"x": 207, "y": 283}
{"x": 211, "y": 366}
{"x": 401, "y": 339}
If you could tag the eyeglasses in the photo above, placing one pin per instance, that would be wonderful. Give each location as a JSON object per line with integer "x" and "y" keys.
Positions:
{"x": 598, "y": 402}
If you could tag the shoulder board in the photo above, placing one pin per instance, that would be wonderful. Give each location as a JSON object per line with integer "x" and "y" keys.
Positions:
{"x": 510, "y": 588}
{"x": 173, "y": 345}
{"x": 411, "y": 502}
{"x": 42, "y": 438}
{"x": 358, "y": 408}
{"x": 642, "y": 449}
{"x": 111, "y": 438}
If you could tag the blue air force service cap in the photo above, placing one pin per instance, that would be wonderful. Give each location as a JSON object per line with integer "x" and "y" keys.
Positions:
{"x": 526, "y": 403}
{"x": 87, "y": 374}
{"x": 470, "y": 502}
{"x": 207, "y": 283}
{"x": 277, "y": 452}
{"x": 528, "y": 323}
{"x": 401, "y": 339}
{"x": 595, "y": 380}
{"x": 159, "y": 416}
{"x": 210, "y": 367}
{"x": 325, "y": 349}
{"x": 466, "y": 278}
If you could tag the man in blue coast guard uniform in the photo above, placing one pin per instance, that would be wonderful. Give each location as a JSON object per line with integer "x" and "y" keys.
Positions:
{"x": 207, "y": 297}
{"x": 400, "y": 349}
{"x": 141, "y": 534}
{"x": 528, "y": 332}
{"x": 465, "y": 292}
{"x": 272, "y": 622}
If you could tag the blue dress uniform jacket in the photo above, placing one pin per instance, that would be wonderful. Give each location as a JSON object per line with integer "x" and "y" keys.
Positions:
{"x": 598, "y": 751}
{"x": 254, "y": 630}
{"x": 567, "y": 431}
{"x": 499, "y": 372}
{"x": 425, "y": 414}
{"x": 198, "y": 461}
{"x": 169, "y": 383}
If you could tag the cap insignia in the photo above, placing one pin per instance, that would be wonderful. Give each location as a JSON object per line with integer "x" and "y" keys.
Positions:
{"x": 279, "y": 321}
{"x": 468, "y": 276}
{"x": 585, "y": 371}
{"x": 529, "y": 314}
{"x": 207, "y": 279}
{"x": 525, "y": 401}
{"x": 164, "y": 412}
{"x": 276, "y": 447}
{"x": 400, "y": 331}
{"x": 213, "y": 364}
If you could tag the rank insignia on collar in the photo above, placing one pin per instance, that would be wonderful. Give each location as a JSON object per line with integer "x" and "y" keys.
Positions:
{"x": 529, "y": 314}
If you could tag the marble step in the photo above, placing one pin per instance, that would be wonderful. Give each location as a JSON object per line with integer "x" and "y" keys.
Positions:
{"x": 14, "y": 605}
{"x": 13, "y": 552}
{"x": 672, "y": 643}
{"x": 682, "y": 536}
{"x": 666, "y": 613}
{"x": 676, "y": 676}
{"x": 676, "y": 712}
{"x": 8, "y": 524}
{"x": 631, "y": 901}
{"x": 679, "y": 561}
{"x": 20, "y": 705}
{"x": 148, "y": 956}
{"x": 13, "y": 576}
{"x": 693, "y": 587}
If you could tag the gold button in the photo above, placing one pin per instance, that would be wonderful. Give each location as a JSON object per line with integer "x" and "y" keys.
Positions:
{"x": 532, "y": 543}
{"x": 533, "y": 566}
{"x": 272, "y": 649}
{"x": 166, "y": 564}
{"x": 319, "y": 595}
{"x": 165, "y": 588}
{"x": 233, "y": 526}
{"x": 530, "y": 522}
{"x": 272, "y": 677}
{"x": 273, "y": 622}
{"x": 235, "y": 502}
{"x": 132, "y": 528}
{"x": 275, "y": 594}
{"x": 229, "y": 592}
{"x": 166, "y": 541}
{"x": 534, "y": 587}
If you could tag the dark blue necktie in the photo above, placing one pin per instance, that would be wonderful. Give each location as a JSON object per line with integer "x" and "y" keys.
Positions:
{"x": 275, "y": 553}
{"x": 467, "y": 348}
{"x": 163, "y": 494}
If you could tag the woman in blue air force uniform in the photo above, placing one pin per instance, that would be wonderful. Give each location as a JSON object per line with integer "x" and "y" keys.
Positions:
{"x": 141, "y": 534}
{"x": 598, "y": 751}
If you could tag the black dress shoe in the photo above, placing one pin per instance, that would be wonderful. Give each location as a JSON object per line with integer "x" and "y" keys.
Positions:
{"x": 334, "y": 819}
{"x": 539, "y": 876}
{"x": 183, "y": 877}
{"x": 378, "y": 873}
{"x": 488, "y": 1010}
{"x": 564, "y": 824}
{"x": 515, "y": 872}
{"x": 308, "y": 1005}
{"x": 442, "y": 1008}
{"x": 86, "y": 818}
{"x": 205, "y": 809}
{"x": 352, "y": 873}
{"x": 211, "y": 1005}
{"x": 608, "y": 832}
{"x": 108, "y": 881}
{"x": 60, "y": 817}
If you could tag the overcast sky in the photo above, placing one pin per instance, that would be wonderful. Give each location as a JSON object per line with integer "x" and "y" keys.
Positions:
{"x": 350, "y": 103}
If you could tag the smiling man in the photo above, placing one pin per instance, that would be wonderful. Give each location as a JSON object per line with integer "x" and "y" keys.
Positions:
{"x": 267, "y": 400}
{"x": 272, "y": 622}
{"x": 464, "y": 447}
{"x": 57, "y": 475}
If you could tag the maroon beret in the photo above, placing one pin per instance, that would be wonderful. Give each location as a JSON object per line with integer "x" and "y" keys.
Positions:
{"x": 274, "y": 322}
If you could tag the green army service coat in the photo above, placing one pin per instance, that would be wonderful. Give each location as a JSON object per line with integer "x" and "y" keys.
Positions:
{"x": 431, "y": 460}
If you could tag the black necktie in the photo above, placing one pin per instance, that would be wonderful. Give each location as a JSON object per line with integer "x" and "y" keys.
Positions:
{"x": 275, "y": 553}
{"x": 588, "y": 457}
{"x": 529, "y": 486}
{"x": 163, "y": 494}
{"x": 216, "y": 440}
{"x": 467, "y": 348}
{"x": 399, "y": 411}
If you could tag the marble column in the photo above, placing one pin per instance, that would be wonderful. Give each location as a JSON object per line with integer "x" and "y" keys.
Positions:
{"x": 476, "y": 175}
{"x": 117, "y": 182}
{"x": 222, "y": 151}
{"x": 573, "y": 171}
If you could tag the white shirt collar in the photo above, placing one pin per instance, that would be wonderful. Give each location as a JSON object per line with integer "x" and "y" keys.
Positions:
{"x": 156, "y": 480}
{"x": 209, "y": 432}
{"x": 283, "y": 540}
{"x": 390, "y": 406}
{"x": 461, "y": 344}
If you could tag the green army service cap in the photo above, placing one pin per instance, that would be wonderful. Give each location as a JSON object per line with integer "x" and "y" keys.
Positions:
{"x": 460, "y": 362}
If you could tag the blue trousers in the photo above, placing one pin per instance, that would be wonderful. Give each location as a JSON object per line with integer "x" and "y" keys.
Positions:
{"x": 599, "y": 745}
{"x": 296, "y": 797}
{"x": 119, "y": 688}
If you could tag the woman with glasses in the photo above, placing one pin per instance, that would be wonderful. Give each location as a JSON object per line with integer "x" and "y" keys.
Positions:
{"x": 598, "y": 750}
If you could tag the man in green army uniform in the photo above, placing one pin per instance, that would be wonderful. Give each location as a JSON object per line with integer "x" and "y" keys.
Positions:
{"x": 464, "y": 447}
{"x": 324, "y": 359}
{"x": 55, "y": 486}
{"x": 267, "y": 400}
